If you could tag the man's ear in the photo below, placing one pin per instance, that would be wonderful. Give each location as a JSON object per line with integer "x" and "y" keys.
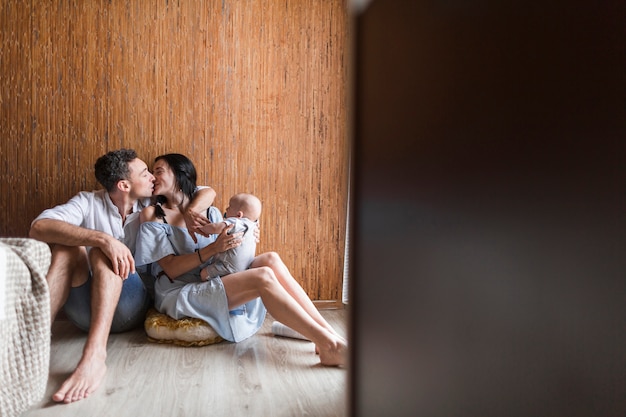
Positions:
{"x": 123, "y": 185}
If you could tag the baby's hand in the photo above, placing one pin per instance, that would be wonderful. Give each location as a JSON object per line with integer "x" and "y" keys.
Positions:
{"x": 204, "y": 274}
{"x": 212, "y": 228}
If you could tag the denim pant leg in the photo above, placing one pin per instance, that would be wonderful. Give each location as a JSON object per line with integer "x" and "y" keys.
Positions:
{"x": 129, "y": 313}
{"x": 78, "y": 305}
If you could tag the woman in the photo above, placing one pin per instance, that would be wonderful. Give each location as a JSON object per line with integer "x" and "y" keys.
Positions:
{"x": 234, "y": 305}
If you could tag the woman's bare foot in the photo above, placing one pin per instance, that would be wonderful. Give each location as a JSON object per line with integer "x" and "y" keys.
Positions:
{"x": 343, "y": 339}
{"x": 334, "y": 353}
{"x": 85, "y": 379}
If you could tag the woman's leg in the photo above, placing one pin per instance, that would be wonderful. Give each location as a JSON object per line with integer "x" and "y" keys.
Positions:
{"x": 289, "y": 283}
{"x": 244, "y": 286}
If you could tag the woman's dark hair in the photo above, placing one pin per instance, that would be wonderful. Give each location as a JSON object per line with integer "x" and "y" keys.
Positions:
{"x": 184, "y": 175}
{"x": 113, "y": 167}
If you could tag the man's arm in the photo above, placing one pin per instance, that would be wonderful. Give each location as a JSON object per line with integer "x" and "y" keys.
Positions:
{"x": 195, "y": 215}
{"x": 63, "y": 233}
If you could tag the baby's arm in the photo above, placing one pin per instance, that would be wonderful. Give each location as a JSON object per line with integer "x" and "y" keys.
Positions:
{"x": 213, "y": 228}
{"x": 204, "y": 275}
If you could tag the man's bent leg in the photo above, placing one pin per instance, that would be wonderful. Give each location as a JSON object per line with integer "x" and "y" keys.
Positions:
{"x": 105, "y": 293}
{"x": 67, "y": 268}
{"x": 130, "y": 311}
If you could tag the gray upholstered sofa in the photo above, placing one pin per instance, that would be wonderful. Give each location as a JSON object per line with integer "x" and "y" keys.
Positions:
{"x": 24, "y": 323}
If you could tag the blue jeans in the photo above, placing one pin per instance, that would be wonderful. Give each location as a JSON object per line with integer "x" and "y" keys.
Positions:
{"x": 130, "y": 311}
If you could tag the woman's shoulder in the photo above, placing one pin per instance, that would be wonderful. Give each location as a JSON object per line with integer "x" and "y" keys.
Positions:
{"x": 148, "y": 214}
{"x": 153, "y": 230}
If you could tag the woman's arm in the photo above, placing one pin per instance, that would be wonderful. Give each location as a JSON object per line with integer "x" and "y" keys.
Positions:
{"x": 176, "y": 265}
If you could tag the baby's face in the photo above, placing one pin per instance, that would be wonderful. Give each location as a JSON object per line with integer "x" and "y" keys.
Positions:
{"x": 230, "y": 212}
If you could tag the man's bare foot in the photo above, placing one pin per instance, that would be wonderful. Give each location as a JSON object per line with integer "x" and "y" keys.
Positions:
{"x": 85, "y": 379}
{"x": 334, "y": 354}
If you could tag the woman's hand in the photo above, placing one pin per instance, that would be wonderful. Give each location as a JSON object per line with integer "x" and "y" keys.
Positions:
{"x": 225, "y": 241}
{"x": 257, "y": 233}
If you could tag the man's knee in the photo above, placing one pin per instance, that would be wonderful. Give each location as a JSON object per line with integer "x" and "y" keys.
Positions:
{"x": 96, "y": 254}
{"x": 99, "y": 261}
{"x": 68, "y": 253}
{"x": 68, "y": 263}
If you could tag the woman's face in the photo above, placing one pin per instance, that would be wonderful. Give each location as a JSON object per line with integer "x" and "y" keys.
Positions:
{"x": 164, "y": 180}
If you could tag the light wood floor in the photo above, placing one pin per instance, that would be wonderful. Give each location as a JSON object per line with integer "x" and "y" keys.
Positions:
{"x": 262, "y": 376}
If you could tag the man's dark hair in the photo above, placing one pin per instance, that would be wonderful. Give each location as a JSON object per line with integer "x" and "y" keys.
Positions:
{"x": 113, "y": 167}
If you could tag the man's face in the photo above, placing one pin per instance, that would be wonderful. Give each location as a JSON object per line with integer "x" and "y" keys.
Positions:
{"x": 141, "y": 180}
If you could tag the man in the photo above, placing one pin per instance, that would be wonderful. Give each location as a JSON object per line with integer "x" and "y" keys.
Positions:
{"x": 93, "y": 271}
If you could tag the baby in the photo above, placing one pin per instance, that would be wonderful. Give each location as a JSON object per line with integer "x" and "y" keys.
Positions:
{"x": 243, "y": 211}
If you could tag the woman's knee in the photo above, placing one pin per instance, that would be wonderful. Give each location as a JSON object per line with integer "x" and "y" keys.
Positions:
{"x": 269, "y": 259}
{"x": 265, "y": 276}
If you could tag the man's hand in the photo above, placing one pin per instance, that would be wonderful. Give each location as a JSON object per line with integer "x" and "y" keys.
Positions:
{"x": 122, "y": 261}
{"x": 195, "y": 221}
{"x": 195, "y": 216}
{"x": 62, "y": 233}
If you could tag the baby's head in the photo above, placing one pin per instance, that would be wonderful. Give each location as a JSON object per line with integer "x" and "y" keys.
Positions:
{"x": 244, "y": 205}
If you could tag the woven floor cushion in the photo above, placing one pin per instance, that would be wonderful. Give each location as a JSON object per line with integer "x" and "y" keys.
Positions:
{"x": 161, "y": 328}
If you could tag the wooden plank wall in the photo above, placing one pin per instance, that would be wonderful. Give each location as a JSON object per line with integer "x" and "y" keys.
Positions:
{"x": 253, "y": 91}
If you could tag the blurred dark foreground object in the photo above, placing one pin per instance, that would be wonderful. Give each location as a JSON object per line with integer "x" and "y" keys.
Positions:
{"x": 489, "y": 240}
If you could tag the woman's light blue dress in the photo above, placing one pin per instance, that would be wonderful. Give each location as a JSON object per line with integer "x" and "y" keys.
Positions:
{"x": 187, "y": 295}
